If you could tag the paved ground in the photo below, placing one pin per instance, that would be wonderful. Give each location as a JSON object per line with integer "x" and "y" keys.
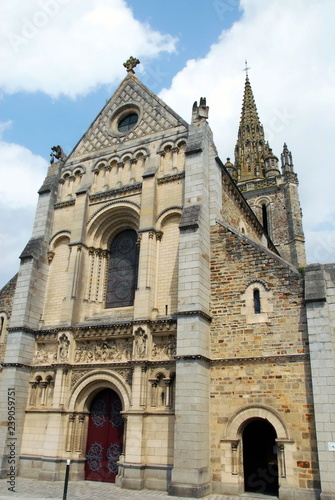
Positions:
{"x": 90, "y": 490}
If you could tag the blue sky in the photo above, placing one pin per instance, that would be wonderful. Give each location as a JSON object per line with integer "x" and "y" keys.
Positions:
{"x": 62, "y": 59}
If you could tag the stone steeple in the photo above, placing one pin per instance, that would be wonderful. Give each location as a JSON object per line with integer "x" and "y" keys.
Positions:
{"x": 271, "y": 193}
{"x": 253, "y": 156}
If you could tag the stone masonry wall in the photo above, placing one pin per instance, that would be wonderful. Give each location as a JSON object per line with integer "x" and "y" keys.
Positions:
{"x": 260, "y": 360}
{"x": 235, "y": 212}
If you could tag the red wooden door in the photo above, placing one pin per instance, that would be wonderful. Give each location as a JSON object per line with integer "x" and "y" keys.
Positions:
{"x": 104, "y": 440}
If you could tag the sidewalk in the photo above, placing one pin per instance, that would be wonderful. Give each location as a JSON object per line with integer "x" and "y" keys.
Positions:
{"x": 91, "y": 490}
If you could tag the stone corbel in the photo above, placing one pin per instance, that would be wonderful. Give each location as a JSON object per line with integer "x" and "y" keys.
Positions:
{"x": 50, "y": 256}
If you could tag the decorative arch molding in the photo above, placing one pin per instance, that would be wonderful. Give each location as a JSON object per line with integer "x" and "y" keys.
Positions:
{"x": 62, "y": 232}
{"x": 257, "y": 282}
{"x": 164, "y": 146}
{"x": 65, "y": 174}
{"x": 101, "y": 162}
{"x": 160, "y": 372}
{"x": 238, "y": 420}
{"x": 90, "y": 384}
{"x": 265, "y": 305}
{"x": 79, "y": 170}
{"x": 56, "y": 238}
{"x": 111, "y": 219}
{"x": 141, "y": 151}
{"x": 126, "y": 157}
{"x": 181, "y": 141}
{"x": 172, "y": 144}
{"x": 100, "y": 166}
{"x": 168, "y": 212}
{"x": 116, "y": 202}
{"x": 262, "y": 200}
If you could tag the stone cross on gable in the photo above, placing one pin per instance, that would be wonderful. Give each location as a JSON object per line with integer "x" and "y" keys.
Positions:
{"x": 130, "y": 64}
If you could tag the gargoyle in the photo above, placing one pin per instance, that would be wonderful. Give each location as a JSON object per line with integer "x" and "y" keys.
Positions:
{"x": 58, "y": 153}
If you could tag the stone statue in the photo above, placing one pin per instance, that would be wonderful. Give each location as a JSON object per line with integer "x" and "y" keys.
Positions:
{"x": 58, "y": 153}
{"x": 63, "y": 348}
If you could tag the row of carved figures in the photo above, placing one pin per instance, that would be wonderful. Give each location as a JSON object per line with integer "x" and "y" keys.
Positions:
{"x": 120, "y": 349}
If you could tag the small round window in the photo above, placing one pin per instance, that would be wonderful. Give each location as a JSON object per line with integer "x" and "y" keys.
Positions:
{"x": 128, "y": 122}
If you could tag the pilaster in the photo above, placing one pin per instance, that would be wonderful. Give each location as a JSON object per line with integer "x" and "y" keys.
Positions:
{"x": 320, "y": 304}
{"x": 190, "y": 474}
{"x": 145, "y": 294}
{"x": 74, "y": 289}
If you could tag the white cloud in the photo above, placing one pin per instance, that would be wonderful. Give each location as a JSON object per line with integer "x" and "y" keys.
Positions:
{"x": 21, "y": 175}
{"x": 289, "y": 46}
{"x": 70, "y": 47}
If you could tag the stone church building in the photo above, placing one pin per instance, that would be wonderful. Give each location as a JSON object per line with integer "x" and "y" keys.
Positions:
{"x": 165, "y": 331}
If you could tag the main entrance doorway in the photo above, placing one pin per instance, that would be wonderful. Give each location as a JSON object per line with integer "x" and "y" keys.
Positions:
{"x": 104, "y": 440}
{"x": 260, "y": 458}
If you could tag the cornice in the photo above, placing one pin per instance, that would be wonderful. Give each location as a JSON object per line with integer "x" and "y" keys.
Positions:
{"x": 260, "y": 359}
{"x": 114, "y": 192}
{"x": 171, "y": 178}
{"x": 64, "y": 204}
{"x": 202, "y": 314}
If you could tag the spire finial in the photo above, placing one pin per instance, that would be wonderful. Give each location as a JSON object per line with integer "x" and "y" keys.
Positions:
{"x": 246, "y": 68}
{"x": 130, "y": 65}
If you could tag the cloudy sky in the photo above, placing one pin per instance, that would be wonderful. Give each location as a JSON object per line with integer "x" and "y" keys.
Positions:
{"x": 62, "y": 59}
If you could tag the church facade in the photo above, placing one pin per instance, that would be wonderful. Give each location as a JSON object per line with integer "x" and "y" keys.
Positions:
{"x": 165, "y": 330}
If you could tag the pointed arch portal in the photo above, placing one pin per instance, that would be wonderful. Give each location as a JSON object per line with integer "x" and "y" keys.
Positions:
{"x": 260, "y": 457}
{"x": 105, "y": 437}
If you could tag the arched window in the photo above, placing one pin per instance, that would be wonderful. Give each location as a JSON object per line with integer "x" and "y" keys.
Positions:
{"x": 265, "y": 218}
{"x": 257, "y": 301}
{"x": 123, "y": 268}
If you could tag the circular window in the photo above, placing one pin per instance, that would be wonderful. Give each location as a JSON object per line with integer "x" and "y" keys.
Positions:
{"x": 128, "y": 122}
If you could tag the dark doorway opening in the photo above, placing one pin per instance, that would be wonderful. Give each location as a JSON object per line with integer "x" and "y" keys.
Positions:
{"x": 104, "y": 439}
{"x": 260, "y": 458}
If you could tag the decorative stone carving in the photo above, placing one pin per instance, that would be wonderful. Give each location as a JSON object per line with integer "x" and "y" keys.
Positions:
{"x": 164, "y": 326}
{"x": 131, "y": 64}
{"x": 164, "y": 347}
{"x": 127, "y": 374}
{"x": 58, "y": 154}
{"x": 63, "y": 348}
{"x": 77, "y": 375}
{"x": 46, "y": 337}
{"x": 140, "y": 343}
{"x": 103, "y": 351}
{"x": 41, "y": 390}
{"x": 116, "y": 330}
{"x": 45, "y": 354}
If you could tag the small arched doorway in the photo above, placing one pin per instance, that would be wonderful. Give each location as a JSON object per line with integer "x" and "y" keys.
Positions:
{"x": 105, "y": 437}
{"x": 260, "y": 458}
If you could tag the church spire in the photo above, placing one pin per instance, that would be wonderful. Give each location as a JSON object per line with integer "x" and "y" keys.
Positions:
{"x": 272, "y": 195}
{"x": 249, "y": 115}
{"x": 253, "y": 156}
